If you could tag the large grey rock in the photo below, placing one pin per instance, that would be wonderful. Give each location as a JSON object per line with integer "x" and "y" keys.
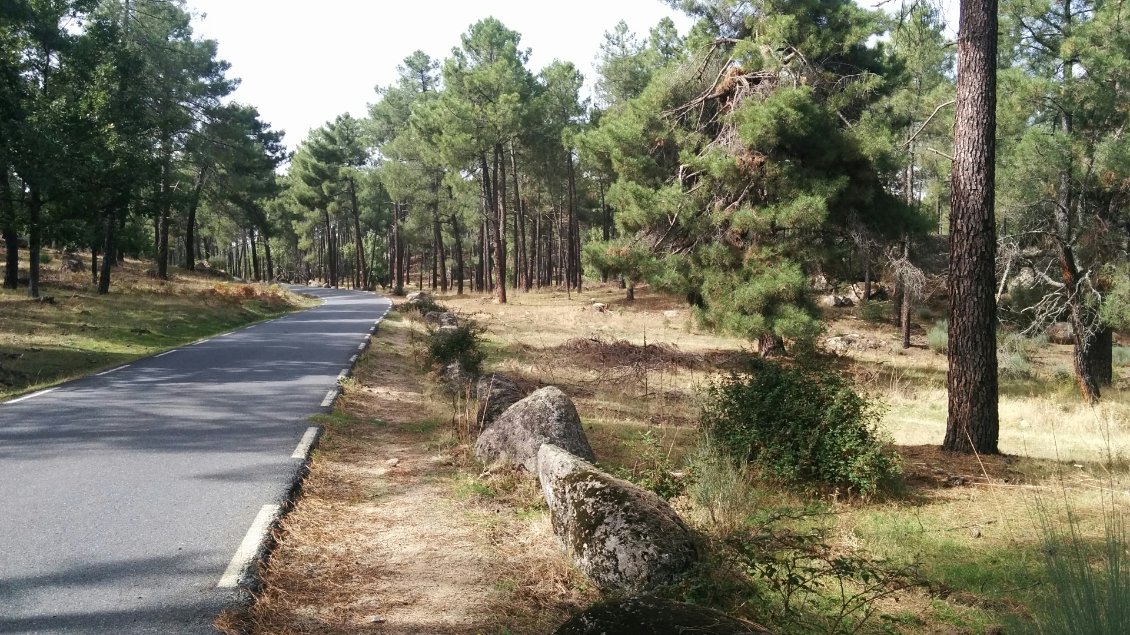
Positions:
{"x": 1061, "y": 333}
{"x": 72, "y": 263}
{"x": 441, "y": 318}
{"x": 546, "y": 416}
{"x": 495, "y": 393}
{"x": 621, "y": 536}
{"x": 655, "y": 616}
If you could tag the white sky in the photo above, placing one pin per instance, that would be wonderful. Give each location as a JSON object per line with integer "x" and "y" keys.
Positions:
{"x": 303, "y": 63}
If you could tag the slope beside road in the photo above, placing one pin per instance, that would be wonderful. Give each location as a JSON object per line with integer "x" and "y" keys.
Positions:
{"x": 126, "y": 496}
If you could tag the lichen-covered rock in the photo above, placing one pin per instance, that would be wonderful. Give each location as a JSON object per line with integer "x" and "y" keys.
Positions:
{"x": 454, "y": 379}
{"x": 495, "y": 393}
{"x": 654, "y": 616}
{"x": 441, "y": 318}
{"x": 546, "y": 416}
{"x": 621, "y": 536}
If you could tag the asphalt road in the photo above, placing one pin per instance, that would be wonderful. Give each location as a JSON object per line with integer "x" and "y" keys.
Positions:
{"x": 124, "y": 497}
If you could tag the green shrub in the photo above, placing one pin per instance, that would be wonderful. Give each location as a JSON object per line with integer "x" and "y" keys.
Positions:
{"x": 938, "y": 339}
{"x": 1121, "y": 356}
{"x": 1014, "y": 366}
{"x": 877, "y": 311}
{"x": 800, "y": 425}
{"x": 723, "y": 487}
{"x": 461, "y": 344}
{"x": 1089, "y": 580}
{"x": 424, "y": 305}
{"x": 654, "y": 469}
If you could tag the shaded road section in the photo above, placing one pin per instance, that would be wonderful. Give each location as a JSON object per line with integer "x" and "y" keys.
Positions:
{"x": 125, "y": 496}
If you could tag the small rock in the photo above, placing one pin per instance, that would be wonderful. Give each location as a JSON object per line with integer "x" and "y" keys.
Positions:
{"x": 956, "y": 481}
{"x": 376, "y": 619}
{"x": 599, "y": 307}
{"x": 392, "y": 462}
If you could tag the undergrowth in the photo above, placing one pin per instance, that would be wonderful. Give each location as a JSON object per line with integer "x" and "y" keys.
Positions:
{"x": 800, "y": 425}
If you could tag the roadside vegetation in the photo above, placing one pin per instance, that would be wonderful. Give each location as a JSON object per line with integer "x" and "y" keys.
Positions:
{"x": 72, "y": 331}
{"x": 950, "y": 544}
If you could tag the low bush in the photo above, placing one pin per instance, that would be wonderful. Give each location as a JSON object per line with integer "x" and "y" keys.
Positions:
{"x": 800, "y": 425}
{"x": 938, "y": 339}
{"x": 463, "y": 344}
{"x": 654, "y": 468}
{"x": 1089, "y": 580}
{"x": 877, "y": 311}
{"x": 1011, "y": 365}
{"x": 1120, "y": 355}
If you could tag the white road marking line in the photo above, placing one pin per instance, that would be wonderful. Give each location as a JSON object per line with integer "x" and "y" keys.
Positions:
{"x": 368, "y": 337}
{"x": 201, "y": 342}
{"x": 330, "y": 396}
{"x": 353, "y": 360}
{"x": 34, "y": 394}
{"x": 304, "y": 445}
{"x": 228, "y": 333}
{"x": 342, "y": 375}
{"x": 249, "y": 548}
{"x": 361, "y": 346}
{"x": 165, "y": 353}
{"x": 112, "y": 370}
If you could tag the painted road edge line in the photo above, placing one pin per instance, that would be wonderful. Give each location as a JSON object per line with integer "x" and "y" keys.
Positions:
{"x": 166, "y": 353}
{"x": 249, "y": 548}
{"x": 330, "y": 396}
{"x": 305, "y": 444}
{"x": 353, "y": 360}
{"x": 32, "y": 395}
{"x": 112, "y": 370}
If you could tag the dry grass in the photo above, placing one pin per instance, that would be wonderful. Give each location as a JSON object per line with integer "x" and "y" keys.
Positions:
{"x": 967, "y": 522}
{"x": 392, "y": 530}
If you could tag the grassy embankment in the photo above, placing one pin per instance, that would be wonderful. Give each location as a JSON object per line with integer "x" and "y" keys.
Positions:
{"x": 433, "y": 544}
{"x": 77, "y": 332}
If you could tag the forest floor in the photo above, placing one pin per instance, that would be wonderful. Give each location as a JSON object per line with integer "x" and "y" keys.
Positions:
{"x": 399, "y": 530}
{"x": 72, "y": 331}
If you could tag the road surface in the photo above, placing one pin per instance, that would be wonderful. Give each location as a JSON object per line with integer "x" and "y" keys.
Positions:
{"x": 125, "y": 497}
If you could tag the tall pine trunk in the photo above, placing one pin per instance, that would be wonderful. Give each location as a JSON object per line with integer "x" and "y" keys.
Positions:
{"x": 358, "y": 240}
{"x": 190, "y": 223}
{"x": 165, "y": 201}
{"x": 35, "y": 236}
{"x": 11, "y": 235}
{"x": 108, "y": 248}
{"x": 973, "y": 424}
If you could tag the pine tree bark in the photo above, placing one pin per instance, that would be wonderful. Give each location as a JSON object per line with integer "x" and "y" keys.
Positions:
{"x": 973, "y": 423}
{"x": 107, "y": 249}
{"x": 11, "y": 235}
{"x": 164, "y": 204}
{"x": 35, "y": 235}
{"x": 457, "y": 236}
